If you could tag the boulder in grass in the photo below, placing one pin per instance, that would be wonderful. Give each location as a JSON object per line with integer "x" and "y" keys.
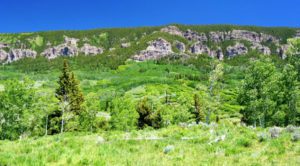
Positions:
{"x": 290, "y": 128}
{"x": 168, "y": 149}
{"x": 100, "y": 140}
{"x": 262, "y": 137}
{"x": 296, "y": 137}
{"x": 275, "y": 132}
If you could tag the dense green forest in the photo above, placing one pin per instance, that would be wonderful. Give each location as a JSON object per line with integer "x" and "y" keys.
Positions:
{"x": 199, "y": 98}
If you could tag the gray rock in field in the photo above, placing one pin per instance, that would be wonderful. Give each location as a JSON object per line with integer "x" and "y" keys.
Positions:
{"x": 275, "y": 132}
{"x": 100, "y": 140}
{"x": 237, "y": 49}
{"x": 295, "y": 137}
{"x": 291, "y": 128}
{"x": 262, "y": 137}
{"x": 173, "y": 30}
{"x": 125, "y": 45}
{"x": 168, "y": 149}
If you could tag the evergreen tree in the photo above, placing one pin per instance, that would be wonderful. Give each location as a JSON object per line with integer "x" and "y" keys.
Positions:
{"x": 148, "y": 117}
{"x": 199, "y": 114}
{"x": 144, "y": 110}
{"x": 70, "y": 97}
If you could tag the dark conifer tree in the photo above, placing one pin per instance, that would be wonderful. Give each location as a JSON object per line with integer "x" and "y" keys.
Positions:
{"x": 199, "y": 114}
{"x": 69, "y": 90}
{"x": 70, "y": 100}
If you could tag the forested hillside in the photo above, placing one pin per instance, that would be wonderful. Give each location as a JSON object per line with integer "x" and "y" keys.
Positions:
{"x": 223, "y": 89}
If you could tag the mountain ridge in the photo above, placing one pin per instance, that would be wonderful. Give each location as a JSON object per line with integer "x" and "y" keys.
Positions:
{"x": 221, "y": 41}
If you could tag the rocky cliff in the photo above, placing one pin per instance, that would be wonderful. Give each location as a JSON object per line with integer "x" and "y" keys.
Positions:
{"x": 214, "y": 43}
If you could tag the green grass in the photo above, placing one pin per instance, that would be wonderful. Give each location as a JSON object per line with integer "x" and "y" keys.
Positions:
{"x": 192, "y": 146}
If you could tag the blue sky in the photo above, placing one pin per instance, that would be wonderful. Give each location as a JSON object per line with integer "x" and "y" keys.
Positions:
{"x": 41, "y": 15}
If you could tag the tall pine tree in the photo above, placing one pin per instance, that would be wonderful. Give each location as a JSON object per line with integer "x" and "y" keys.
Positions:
{"x": 69, "y": 90}
{"x": 70, "y": 99}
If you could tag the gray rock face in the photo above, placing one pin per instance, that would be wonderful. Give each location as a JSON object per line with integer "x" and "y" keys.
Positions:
{"x": 245, "y": 35}
{"x": 69, "y": 48}
{"x": 256, "y": 39}
{"x": 71, "y": 41}
{"x": 173, "y": 30}
{"x": 156, "y": 50}
{"x": 217, "y": 53}
{"x": 262, "y": 49}
{"x": 237, "y": 49}
{"x": 194, "y": 36}
{"x": 16, "y": 54}
{"x": 217, "y": 37}
{"x": 125, "y": 45}
{"x": 61, "y": 50}
{"x": 4, "y": 45}
{"x": 199, "y": 48}
{"x": 3, "y": 55}
{"x": 252, "y": 37}
{"x": 180, "y": 46}
{"x": 87, "y": 49}
{"x": 281, "y": 51}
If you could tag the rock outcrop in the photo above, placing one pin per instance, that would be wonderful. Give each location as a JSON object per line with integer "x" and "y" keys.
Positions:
{"x": 157, "y": 49}
{"x": 199, "y": 48}
{"x": 237, "y": 49}
{"x": 87, "y": 49}
{"x": 180, "y": 46}
{"x": 194, "y": 36}
{"x": 70, "y": 48}
{"x": 16, "y": 54}
{"x": 262, "y": 49}
{"x": 173, "y": 30}
{"x": 217, "y": 37}
{"x": 3, "y": 55}
{"x": 217, "y": 53}
{"x": 281, "y": 51}
{"x": 3, "y": 45}
{"x": 256, "y": 39}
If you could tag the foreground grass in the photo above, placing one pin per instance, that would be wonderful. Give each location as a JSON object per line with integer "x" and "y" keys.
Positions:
{"x": 195, "y": 145}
